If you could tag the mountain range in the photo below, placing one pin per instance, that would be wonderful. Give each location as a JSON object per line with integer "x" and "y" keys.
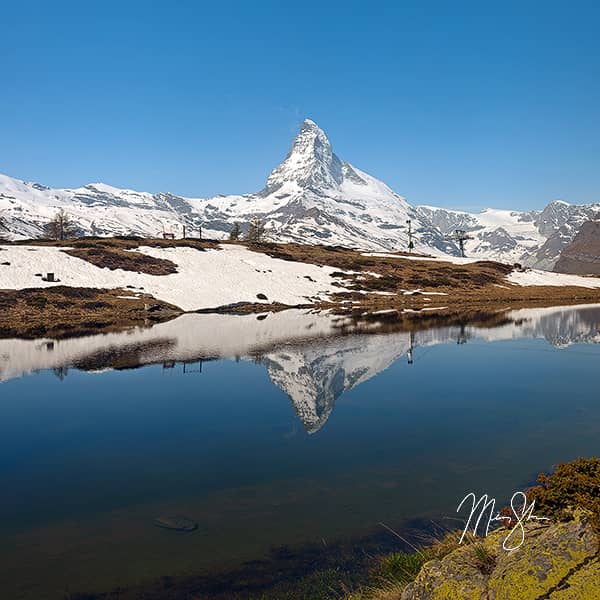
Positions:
{"x": 313, "y": 196}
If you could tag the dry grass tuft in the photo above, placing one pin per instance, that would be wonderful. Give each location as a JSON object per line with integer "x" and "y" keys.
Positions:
{"x": 117, "y": 258}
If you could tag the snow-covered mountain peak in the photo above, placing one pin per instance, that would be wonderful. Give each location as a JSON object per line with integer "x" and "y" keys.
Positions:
{"x": 310, "y": 164}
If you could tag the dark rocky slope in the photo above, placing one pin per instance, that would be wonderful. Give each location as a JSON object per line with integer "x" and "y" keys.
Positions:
{"x": 582, "y": 255}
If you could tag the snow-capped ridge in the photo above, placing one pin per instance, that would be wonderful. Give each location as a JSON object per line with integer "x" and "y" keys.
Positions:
{"x": 313, "y": 196}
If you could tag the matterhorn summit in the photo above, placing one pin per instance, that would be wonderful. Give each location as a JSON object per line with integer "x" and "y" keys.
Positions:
{"x": 310, "y": 164}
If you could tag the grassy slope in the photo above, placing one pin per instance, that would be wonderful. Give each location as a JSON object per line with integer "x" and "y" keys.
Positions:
{"x": 479, "y": 283}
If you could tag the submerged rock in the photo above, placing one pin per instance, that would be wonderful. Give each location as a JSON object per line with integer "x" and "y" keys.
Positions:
{"x": 556, "y": 562}
{"x": 175, "y": 522}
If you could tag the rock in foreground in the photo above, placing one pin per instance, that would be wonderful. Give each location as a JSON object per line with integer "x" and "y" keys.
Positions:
{"x": 556, "y": 562}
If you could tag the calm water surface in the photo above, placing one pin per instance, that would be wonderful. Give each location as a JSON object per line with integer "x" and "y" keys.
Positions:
{"x": 288, "y": 429}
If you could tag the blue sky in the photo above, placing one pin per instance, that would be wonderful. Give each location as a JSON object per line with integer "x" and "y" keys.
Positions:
{"x": 459, "y": 104}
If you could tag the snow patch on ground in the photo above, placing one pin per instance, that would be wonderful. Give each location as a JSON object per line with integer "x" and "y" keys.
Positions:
{"x": 536, "y": 277}
{"x": 207, "y": 279}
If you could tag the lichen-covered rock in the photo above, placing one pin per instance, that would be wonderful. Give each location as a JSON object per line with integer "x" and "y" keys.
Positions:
{"x": 549, "y": 556}
{"x": 455, "y": 577}
{"x": 583, "y": 584}
{"x": 555, "y": 562}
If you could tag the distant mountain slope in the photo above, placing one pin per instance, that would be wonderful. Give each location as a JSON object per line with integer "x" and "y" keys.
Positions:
{"x": 313, "y": 196}
{"x": 559, "y": 223}
{"x": 534, "y": 238}
{"x": 501, "y": 235}
{"x": 582, "y": 255}
{"x": 96, "y": 209}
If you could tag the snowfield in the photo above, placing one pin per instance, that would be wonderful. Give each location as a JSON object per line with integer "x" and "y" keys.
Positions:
{"x": 204, "y": 280}
{"x": 536, "y": 277}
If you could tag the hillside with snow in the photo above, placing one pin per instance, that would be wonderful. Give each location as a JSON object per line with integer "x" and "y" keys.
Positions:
{"x": 313, "y": 196}
{"x": 230, "y": 274}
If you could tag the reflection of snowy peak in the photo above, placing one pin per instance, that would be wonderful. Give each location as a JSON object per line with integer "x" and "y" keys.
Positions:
{"x": 303, "y": 351}
{"x": 312, "y": 387}
{"x": 315, "y": 376}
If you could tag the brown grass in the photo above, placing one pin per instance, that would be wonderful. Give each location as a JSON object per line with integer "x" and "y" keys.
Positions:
{"x": 117, "y": 258}
{"x": 124, "y": 242}
{"x": 60, "y": 312}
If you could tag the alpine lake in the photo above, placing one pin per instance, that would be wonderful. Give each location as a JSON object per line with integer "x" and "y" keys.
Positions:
{"x": 231, "y": 450}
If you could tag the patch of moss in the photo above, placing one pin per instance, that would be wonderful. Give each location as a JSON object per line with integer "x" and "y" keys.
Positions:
{"x": 572, "y": 484}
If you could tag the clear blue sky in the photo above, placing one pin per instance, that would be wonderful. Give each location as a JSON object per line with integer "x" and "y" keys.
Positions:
{"x": 451, "y": 103}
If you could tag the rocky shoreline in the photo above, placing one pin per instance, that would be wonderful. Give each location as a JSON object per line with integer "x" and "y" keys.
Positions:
{"x": 553, "y": 559}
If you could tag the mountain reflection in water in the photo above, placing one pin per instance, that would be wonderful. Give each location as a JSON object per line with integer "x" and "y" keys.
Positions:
{"x": 402, "y": 415}
{"x": 314, "y": 357}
